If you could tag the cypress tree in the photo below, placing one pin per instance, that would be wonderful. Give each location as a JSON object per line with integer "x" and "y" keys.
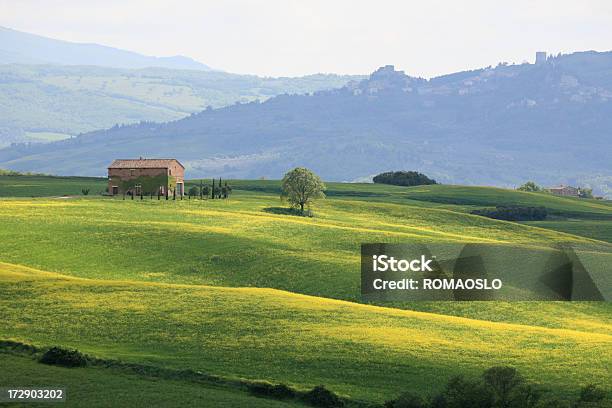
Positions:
{"x": 201, "y": 192}
{"x": 212, "y": 196}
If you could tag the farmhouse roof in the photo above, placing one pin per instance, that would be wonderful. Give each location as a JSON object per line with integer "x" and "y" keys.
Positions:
{"x": 143, "y": 163}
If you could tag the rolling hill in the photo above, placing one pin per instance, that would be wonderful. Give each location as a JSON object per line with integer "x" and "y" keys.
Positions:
{"x": 239, "y": 291}
{"x": 494, "y": 126}
{"x": 43, "y": 103}
{"x": 360, "y": 351}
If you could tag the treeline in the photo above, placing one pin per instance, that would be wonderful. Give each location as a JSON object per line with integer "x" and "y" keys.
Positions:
{"x": 220, "y": 190}
{"x": 500, "y": 387}
{"x": 513, "y": 213}
{"x": 403, "y": 178}
{"x": 216, "y": 190}
{"x": 497, "y": 387}
{"x": 18, "y": 173}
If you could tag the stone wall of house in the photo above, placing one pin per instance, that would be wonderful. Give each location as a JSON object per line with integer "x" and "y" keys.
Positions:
{"x": 147, "y": 180}
{"x": 150, "y": 180}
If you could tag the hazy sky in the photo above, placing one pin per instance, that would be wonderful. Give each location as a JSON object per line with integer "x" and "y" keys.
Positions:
{"x": 288, "y": 37}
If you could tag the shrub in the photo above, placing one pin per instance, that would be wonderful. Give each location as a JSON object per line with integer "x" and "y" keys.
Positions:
{"x": 85, "y": 191}
{"x": 194, "y": 191}
{"x": 530, "y": 186}
{"x": 585, "y": 192}
{"x": 64, "y": 357}
{"x": 513, "y": 213}
{"x": 403, "y": 178}
{"x": 320, "y": 396}
{"x": 206, "y": 191}
{"x": 591, "y": 393}
{"x": 277, "y": 391}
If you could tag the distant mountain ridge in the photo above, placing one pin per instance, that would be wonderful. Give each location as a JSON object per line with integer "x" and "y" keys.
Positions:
{"x": 549, "y": 122}
{"x": 52, "y": 90}
{"x": 17, "y": 47}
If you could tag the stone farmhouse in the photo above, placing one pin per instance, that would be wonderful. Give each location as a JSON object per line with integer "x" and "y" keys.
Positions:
{"x": 146, "y": 176}
{"x": 565, "y": 191}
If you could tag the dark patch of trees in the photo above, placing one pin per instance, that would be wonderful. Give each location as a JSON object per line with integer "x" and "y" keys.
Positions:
{"x": 193, "y": 191}
{"x": 64, "y": 357}
{"x": 585, "y": 192}
{"x": 530, "y": 186}
{"x": 403, "y": 178}
{"x": 218, "y": 189}
{"x": 320, "y": 396}
{"x": 276, "y": 391}
{"x": 513, "y": 213}
{"x": 497, "y": 387}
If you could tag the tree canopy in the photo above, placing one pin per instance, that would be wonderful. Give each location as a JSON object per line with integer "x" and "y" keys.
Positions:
{"x": 301, "y": 186}
{"x": 530, "y": 186}
{"x": 403, "y": 178}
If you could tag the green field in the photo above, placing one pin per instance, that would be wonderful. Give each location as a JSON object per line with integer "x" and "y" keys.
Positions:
{"x": 237, "y": 289}
{"x": 104, "y": 387}
{"x": 46, "y": 186}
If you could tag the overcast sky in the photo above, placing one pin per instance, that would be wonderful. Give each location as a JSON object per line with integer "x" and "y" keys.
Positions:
{"x": 290, "y": 37}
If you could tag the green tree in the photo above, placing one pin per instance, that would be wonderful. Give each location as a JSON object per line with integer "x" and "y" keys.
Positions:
{"x": 193, "y": 191}
{"x": 585, "y": 192}
{"x": 227, "y": 190}
{"x": 301, "y": 186}
{"x": 463, "y": 393}
{"x": 530, "y": 186}
{"x": 503, "y": 381}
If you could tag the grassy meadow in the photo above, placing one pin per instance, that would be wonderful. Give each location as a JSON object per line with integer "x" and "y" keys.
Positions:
{"x": 239, "y": 289}
{"x": 106, "y": 387}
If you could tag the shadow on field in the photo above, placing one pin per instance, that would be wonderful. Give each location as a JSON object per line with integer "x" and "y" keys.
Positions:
{"x": 287, "y": 211}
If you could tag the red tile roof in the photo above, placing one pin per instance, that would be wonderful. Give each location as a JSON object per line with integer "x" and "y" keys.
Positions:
{"x": 143, "y": 163}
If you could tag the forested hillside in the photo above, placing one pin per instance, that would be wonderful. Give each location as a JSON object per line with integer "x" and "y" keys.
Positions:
{"x": 41, "y": 103}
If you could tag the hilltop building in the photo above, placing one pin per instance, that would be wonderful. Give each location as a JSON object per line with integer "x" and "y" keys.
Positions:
{"x": 146, "y": 176}
{"x": 565, "y": 191}
{"x": 540, "y": 57}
